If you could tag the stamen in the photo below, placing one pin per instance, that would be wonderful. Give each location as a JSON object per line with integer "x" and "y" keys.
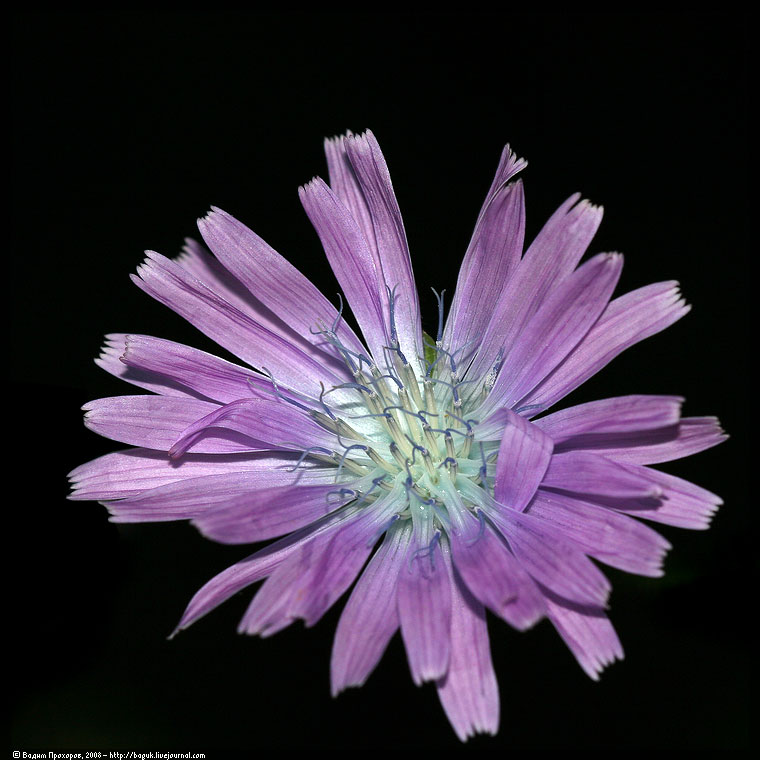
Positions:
{"x": 306, "y": 453}
{"x": 382, "y": 531}
{"x": 341, "y": 492}
{"x": 322, "y": 402}
{"x": 402, "y": 462}
{"x": 439, "y": 298}
{"x": 279, "y": 393}
{"x": 345, "y": 454}
{"x": 482, "y": 530}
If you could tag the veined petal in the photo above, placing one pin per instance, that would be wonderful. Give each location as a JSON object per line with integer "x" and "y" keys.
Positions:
{"x": 172, "y": 369}
{"x": 524, "y": 455}
{"x": 254, "y": 425}
{"x": 424, "y": 609}
{"x": 196, "y": 498}
{"x": 612, "y": 538}
{"x": 468, "y": 692}
{"x": 588, "y": 634}
{"x": 551, "y": 258}
{"x": 270, "y": 512}
{"x": 296, "y": 367}
{"x": 588, "y": 473}
{"x": 690, "y": 436}
{"x": 545, "y": 554}
{"x": 559, "y": 325}
{"x": 491, "y": 572}
{"x": 345, "y": 185}
{"x": 612, "y": 416}
{"x": 312, "y": 580}
{"x": 154, "y": 422}
{"x": 679, "y": 502}
{"x": 274, "y": 281}
{"x": 390, "y": 247}
{"x": 369, "y": 618}
{"x": 626, "y": 321}
{"x": 134, "y": 471}
{"x": 255, "y": 567}
{"x": 491, "y": 258}
{"x": 351, "y": 261}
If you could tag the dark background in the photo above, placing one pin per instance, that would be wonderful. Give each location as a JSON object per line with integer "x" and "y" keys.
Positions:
{"x": 128, "y": 125}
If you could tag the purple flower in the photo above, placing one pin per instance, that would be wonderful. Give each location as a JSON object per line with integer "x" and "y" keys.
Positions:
{"x": 426, "y": 468}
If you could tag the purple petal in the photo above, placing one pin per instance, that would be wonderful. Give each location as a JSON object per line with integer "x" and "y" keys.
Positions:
{"x": 312, "y": 580}
{"x": 690, "y": 436}
{"x": 134, "y": 471}
{"x": 369, "y": 618}
{"x": 254, "y": 425}
{"x": 468, "y": 692}
{"x": 154, "y": 422}
{"x": 589, "y": 473}
{"x": 564, "y": 318}
{"x": 680, "y": 503}
{"x": 424, "y": 609}
{"x": 270, "y": 512}
{"x": 524, "y": 455}
{"x": 626, "y": 321}
{"x": 588, "y": 633}
{"x": 390, "y": 247}
{"x": 351, "y": 261}
{"x": 612, "y": 538}
{"x": 550, "y": 559}
{"x": 194, "y": 497}
{"x": 273, "y": 280}
{"x": 294, "y": 363}
{"x": 620, "y": 415}
{"x": 491, "y": 258}
{"x": 492, "y": 573}
{"x": 551, "y": 258}
{"x": 255, "y": 567}
{"x": 172, "y": 369}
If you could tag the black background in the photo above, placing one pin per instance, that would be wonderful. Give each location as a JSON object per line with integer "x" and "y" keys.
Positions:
{"x": 128, "y": 125}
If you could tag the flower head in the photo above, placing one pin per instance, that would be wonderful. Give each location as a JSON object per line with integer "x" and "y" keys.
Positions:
{"x": 426, "y": 469}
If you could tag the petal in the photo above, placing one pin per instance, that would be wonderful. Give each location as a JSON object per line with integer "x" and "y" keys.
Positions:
{"x": 424, "y": 609}
{"x": 345, "y": 185}
{"x": 154, "y": 422}
{"x": 351, "y": 261}
{"x": 679, "y": 503}
{"x": 690, "y": 436}
{"x": 390, "y": 247}
{"x": 524, "y": 455}
{"x": 273, "y": 280}
{"x": 627, "y": 320}
{"x": 255, "y": 567}
{"x": 588, "y": 633}
{"x": 551, "y": 258}
{"x": 468, "y": 692}
{"x": 611, "y": 416}
{"x": 588, "y": 473}
{"x": 492, "y": 573}
{"x": 369, "y": 618}
{"x": 612, "y": 538}
{"x": 172, "y": 369}
{"x": 312, "y": 580}
{"x": 563, "y": 320}
{"x": 205, "y": 496}
{"x": 491, "y": 258}
{"x": 270, "y": 512}
{"x": 254, "y": 425}
{"x": 300, "y": 367}
{"x": 135, "y": 471}
{"x": 548, "y": 557}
